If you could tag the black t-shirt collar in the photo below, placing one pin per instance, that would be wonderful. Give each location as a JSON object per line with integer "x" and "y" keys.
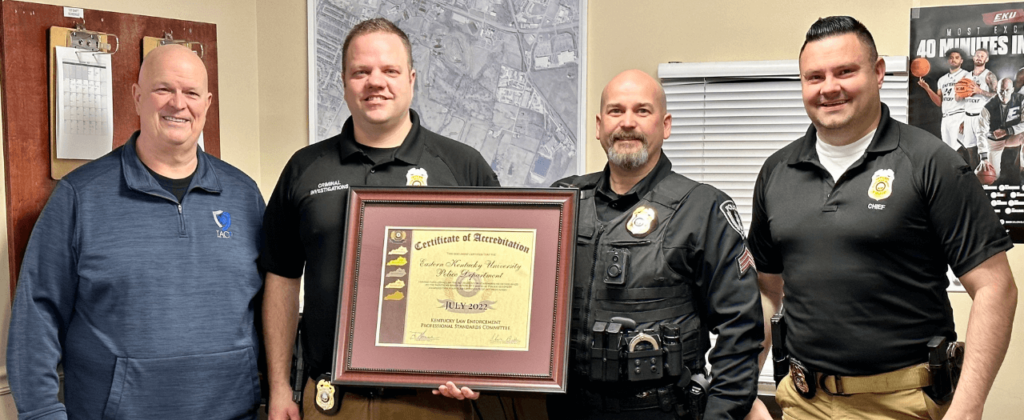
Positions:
{"x": 409, "y": 152}
{"x": 661, "y": 170}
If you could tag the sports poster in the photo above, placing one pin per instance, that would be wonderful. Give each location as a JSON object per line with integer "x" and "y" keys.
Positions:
{"x": 967, "y": 88}
{"x": 959, "y": 52}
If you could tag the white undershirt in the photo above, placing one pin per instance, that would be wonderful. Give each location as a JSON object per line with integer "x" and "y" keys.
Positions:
{"x": 837, "y": 159}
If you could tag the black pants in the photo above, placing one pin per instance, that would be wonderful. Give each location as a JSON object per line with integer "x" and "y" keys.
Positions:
{"x": 575, "y": 406}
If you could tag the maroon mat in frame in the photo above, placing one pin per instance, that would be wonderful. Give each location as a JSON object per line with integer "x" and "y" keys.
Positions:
{"x": 541, "y": 368}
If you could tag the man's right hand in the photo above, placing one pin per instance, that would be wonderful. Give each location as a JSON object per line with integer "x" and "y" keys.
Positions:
{"x": 922, "y": 83}
{"x": 281, "y": 406}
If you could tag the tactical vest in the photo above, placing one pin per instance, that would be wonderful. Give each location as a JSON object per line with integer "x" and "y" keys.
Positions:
{"x": 651, "y": 292}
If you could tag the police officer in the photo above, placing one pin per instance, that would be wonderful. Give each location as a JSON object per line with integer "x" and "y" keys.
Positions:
{"x": 856, "y": 222}
{"x": 665, "y": 252}
{"x": 382, "y": 144}
{"x": 660, "y": 261}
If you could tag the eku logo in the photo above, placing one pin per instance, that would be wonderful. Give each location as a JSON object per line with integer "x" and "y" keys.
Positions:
{"x": 223, "y": 220}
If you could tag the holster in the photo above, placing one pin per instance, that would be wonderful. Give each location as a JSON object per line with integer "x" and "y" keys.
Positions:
{"x": 693, "y": 396}
{"x": 780, "y": 356}
{"x": 945, "y": 361}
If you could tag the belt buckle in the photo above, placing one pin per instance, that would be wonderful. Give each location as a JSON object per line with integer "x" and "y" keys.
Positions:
{"x": 839, "y": 386}
{"x": 803, "y": 379}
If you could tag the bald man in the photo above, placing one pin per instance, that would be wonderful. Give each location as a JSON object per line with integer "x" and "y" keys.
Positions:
{"x": 661, "y": 257}
{"x": 140, "y": 274}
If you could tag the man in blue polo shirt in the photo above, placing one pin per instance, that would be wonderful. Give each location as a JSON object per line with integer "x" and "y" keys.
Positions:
{"x": 140, "y": 276}
{"x": 855, "y": 224}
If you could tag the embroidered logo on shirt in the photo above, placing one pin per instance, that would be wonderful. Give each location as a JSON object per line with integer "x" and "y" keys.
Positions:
{"x": 416, "y": 177}
{"x": 223, "y": 221}
{"x": 642, "y": 222}
{"x": 328, "y": 186}
{"x": 881, "y": 184}
{"x": 732, "y": 215}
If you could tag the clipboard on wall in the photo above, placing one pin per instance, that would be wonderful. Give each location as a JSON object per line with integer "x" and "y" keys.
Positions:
{"x": 25, "y": 61}
{"x": 84, "y": 44}
{"x": 149, "y": 43}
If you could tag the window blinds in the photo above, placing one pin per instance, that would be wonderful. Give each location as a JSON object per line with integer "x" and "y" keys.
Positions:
{"x": 728, "y": 117}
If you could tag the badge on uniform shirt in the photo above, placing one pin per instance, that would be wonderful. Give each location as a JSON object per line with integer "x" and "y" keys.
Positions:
{"x": 642, "y": 222}
{"x": 416, "y": 177}
{"x": 325, "y": 397}
{"x": 881, "y": 184}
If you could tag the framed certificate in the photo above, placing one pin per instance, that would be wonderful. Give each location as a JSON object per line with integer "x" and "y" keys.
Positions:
{"x": 470, "y": 285}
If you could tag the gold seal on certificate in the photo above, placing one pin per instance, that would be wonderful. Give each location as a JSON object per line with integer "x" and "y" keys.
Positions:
{"x": 456, "y": 288}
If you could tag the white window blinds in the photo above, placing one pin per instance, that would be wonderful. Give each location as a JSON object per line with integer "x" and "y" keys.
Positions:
{"x": 728, "y": 117}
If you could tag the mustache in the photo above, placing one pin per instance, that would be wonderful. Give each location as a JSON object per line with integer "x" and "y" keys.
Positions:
{"x": 629, "y": 135}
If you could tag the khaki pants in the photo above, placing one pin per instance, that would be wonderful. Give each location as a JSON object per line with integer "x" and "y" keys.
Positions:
{"x": 906, "y": 404}
{"x": 423, "y": 405}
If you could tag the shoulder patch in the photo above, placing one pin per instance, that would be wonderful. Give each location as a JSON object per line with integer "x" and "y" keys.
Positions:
{"x": 745, "y": 261}
{"x": 732, "y": 215}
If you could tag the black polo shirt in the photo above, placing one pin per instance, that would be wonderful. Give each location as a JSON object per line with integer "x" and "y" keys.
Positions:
{"x": 864, "y": 257}
{"x": 304, "y": 218}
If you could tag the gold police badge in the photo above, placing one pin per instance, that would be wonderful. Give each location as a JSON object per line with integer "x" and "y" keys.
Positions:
{"x": 325, "y": 393}
{"x": 642, "y": 222}
{"x": 416, "y": 177}
{"x": 881, "y": 184}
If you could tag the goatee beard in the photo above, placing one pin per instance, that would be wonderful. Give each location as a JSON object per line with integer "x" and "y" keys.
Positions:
{"x": 631, "y": 160}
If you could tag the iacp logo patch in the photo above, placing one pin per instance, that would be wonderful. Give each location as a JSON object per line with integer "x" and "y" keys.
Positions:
{"x": 223, "y": 221}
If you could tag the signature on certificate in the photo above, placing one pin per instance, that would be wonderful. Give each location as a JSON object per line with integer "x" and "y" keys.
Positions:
{"x": 498, "y": 339}
{"x": 421, "y": 336}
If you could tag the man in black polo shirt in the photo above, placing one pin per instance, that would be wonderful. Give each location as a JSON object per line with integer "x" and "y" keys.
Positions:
{"x": 382, "y": 144}
{"x": 662, "y": 250}
{"x": 856, "y": 222}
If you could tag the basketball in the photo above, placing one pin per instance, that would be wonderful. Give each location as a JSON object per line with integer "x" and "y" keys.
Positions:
{"x": 920, "y": 67}
{"x": 964, "y": 88}
{"x": 986, "y": 173}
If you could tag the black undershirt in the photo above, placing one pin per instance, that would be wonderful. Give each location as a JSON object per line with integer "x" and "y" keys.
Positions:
{"x": 177, "y": 187}
{"x": 610, "y": 205}
{"x": 377, "y": 155}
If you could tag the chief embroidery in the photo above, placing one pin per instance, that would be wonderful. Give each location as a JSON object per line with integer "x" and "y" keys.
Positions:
{"x": 732, "y": 216}
{"x": 881, "y": 184}
{"x": 642, "y": 222}
{"x": 223, "y": 221}
{"x": 416, "y": 177}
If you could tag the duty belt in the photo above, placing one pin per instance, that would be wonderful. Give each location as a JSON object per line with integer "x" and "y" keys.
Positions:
{"x": 911, "y": 377}
{"x": 643, "y": 400}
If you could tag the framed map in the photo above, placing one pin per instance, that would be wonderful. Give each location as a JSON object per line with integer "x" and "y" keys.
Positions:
{"x": 506, "y": 77}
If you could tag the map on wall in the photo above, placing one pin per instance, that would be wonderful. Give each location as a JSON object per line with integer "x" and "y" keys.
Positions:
{"x": 503, "y": 76}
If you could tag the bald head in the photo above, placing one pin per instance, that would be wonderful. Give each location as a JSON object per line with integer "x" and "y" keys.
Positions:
{"x": 1005, "y": 91}
{"x": 166, "y": 55}
{"x": 636, "y": 79}
{"x": 633, "y": 122}
{"x": 171, "y": 98}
